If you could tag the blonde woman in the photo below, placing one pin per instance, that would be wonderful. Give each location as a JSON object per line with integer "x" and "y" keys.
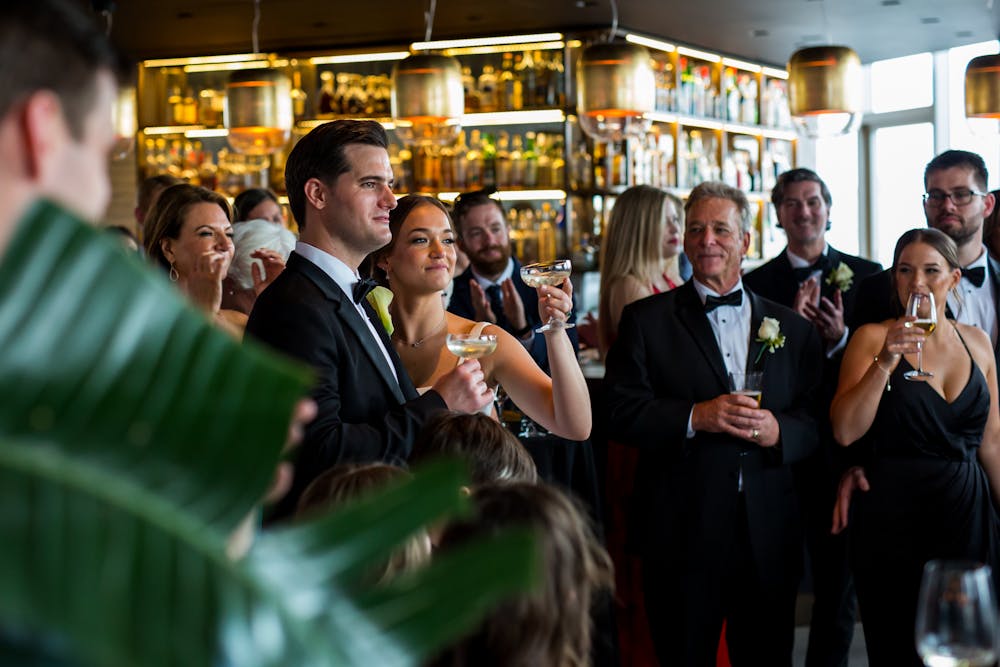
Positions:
{"x": 639, "y": 255}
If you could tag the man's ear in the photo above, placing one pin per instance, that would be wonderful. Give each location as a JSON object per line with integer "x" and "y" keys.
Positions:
{"x": 316, "y": 193}
{"x": 44, "y": 130}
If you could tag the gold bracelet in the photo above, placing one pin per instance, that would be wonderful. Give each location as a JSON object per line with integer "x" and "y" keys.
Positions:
{"x": 888, "y": 374}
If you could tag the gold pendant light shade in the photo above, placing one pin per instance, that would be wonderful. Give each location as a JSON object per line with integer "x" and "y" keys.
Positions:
{"x": 615, "y": 87}
{"x": 825, "y": 90}
{"x": 982, "y": 87}
{"x": 427, "y": 100}
{"x": 258, "y": 111}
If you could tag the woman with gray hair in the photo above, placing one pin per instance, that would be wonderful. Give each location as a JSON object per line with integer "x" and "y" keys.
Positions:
{"x": 261, "y": 250}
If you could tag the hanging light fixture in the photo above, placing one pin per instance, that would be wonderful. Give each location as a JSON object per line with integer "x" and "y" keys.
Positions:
{"x": 982, "y": 93}
{"x": 427, "y": 99}
{"x": 258, "y": 109}
{"x": 615, "y": 88}
{"x": 825, "y": 90}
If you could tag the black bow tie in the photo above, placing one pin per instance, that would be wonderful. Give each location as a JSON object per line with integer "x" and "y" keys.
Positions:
{"x": 975, "y": 275}
{"x": 361, "y": 289}
{"x": 731, "y": 299}
{"x": 802, "y": 274}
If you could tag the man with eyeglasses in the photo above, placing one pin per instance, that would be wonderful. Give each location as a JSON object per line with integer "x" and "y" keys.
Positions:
{"x": 956, "y": 202}
{"x": 819, "y": 283}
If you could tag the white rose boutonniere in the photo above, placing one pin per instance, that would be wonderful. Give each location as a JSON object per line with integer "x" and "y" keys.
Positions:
{"x": 379, "y": 298}
{"x": 841, "y": 277}
{"x": 770, "y": 335}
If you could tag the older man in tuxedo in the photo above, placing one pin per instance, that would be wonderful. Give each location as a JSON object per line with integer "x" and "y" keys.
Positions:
{"x": 715, "y": 513}
{"x": 819, "y": 283}
{"x": 340, "y": 191}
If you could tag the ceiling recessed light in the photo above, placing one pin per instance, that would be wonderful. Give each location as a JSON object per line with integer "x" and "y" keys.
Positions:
{"x": 759, "y": 32}
{"x": 891, "y": 3}
{"x": 961, "y": 34}
{"x": 586, "y": 4}
{"x": 812, "y": 38}
{"x": 930, "y": 20}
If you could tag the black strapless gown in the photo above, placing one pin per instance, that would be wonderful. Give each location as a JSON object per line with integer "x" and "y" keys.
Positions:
{"x": 929, "y": 498}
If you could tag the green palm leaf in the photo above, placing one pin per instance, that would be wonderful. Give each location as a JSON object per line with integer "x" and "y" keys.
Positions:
{"x": 133, "y": 438}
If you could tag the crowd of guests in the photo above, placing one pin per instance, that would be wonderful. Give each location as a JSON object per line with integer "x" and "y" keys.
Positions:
{"x": 715, "y": 498}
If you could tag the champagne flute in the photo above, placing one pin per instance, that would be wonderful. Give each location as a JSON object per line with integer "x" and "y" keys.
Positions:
{"x": 922, "y": 307}
{"x": 552, "y": 274}
{"x": 956, "y": 622}
{"x": 471, "y": 346}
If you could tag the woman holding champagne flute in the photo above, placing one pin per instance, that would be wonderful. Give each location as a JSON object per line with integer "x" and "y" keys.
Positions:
{"x": 417, "y": 265}
{"x": 923, "y": 389}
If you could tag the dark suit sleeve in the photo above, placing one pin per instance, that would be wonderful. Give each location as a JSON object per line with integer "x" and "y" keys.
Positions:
{"x": 873, "y": 302}
{"x": 636, "y": 416}
{"x": 798, "y": 422}
{"x": 358, "y": 419}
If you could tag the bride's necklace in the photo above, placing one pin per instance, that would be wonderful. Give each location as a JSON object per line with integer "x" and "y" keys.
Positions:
{"x": 437, "y": 330}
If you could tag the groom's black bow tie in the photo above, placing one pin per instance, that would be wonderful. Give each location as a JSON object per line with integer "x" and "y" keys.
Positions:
{"x": 361, "y": 289}
{"x": 731, "y": 299}
{"x": 802, "y": 274}
{"x": 975, "y": 275}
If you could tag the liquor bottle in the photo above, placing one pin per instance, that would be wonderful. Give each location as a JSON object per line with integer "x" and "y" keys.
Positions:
{"x": 469, "y": 89}
{"x": 526, "y": 73}
{"x": 210, "y": 107}
{"x": 542, "y": 76}
{"x": 342, "y": 93}
{"x": 356, "y": 98}
{"x": 299, "y": 97}
{"x": 458, "y": 163}
{"x": 581, "y": 168}
{"x": 474, "y": 162}
{"x": 516, "y": 235}
{"x": 529, "y": 235}
{"x": 488, "y": 89}
{"x": 557, "y": 164}
{"x": 511, "y": 88}
{"x": 326, "y": 105}
{"x": 530, "y": 178}
{"x": 516, "y": 179}
{"x": 447, "y": 162}
{"x": 546, "y": 234}
{"x": 489, "y": 153}
{"x": 544, "y": 162}
{"x": 175, "y": 106}
{"x": 556, "y": 96}
{"x": 503, "y": 167}
{"x": 189, "y": 108}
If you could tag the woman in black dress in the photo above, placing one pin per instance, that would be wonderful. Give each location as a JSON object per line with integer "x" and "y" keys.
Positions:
{"x": 934, "y": 466}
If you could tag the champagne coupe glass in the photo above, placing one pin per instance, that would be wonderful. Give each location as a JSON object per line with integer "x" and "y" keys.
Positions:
{"x": 922, "y": 307}
{"x": 471, "y": 346}
{"x": 956, "y": 622}
{"x": 548, "y": 273}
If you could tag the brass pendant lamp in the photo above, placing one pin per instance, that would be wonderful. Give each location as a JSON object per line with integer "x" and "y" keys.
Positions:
{"x": 258, "y": 109}
{"x": 427, "y": 98}
{"x": 615, "y": 88}
{"x": 982, "y": 87}
{"x": 825, "y": 90}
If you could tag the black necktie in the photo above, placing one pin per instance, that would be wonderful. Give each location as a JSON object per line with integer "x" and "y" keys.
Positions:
{"x": 731, "y": 299}
{"x": 975, "y": 275}
{"x": 361, "y": 289}
{"x": 802, "y": 274}
{"x": 496, "y": 301}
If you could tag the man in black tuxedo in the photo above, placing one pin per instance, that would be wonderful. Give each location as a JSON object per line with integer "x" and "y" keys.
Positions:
{"x": 715, "y": 513}
{"x": 955, "y": 202}
{"x": 818, "y": 282}
{"x": 491, "y": 289}
{"x": 340, "y": 191}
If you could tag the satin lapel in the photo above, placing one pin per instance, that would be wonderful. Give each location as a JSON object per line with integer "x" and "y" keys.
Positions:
{"x": 691, "y": 313}
{"x": 405, "y": 384}
{"x": 756, "y": 318}
{"x": 834, "y": 261}
{"x": 352, "y": 319}
{"x": 785, "y": 278}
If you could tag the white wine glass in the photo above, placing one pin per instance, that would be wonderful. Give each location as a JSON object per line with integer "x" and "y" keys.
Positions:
{"x": 921, "y": 306}
{"x": 956, "y": 622}
{"x": 471, "y": 346}
{"x": 548, "y": 273}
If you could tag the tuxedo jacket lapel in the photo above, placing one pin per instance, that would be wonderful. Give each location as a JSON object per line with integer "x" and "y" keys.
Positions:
{"x": 691, "y": 313}
{"x": 757, "y": 315}
{"x": 351, "y": 318}
{"x": 405, "y": 384}
{"x": 995, "y": 279}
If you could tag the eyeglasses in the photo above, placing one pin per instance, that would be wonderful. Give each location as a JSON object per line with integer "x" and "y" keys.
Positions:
{"x": 958, "y": 197}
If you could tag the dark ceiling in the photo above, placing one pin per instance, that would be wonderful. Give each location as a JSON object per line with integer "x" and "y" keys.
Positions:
{"x": 762, "y": 30}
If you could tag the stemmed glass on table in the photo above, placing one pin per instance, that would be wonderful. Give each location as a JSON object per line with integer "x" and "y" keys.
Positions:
{"x": 552, "y": 274}
{"x": 957, "y": 615}
{"x": 922, "y": 307}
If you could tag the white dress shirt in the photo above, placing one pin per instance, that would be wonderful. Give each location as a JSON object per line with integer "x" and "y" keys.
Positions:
{"x": 731, "y": 326}
{"x": 345, "y": 277}
{"x": 978, "y": 305}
